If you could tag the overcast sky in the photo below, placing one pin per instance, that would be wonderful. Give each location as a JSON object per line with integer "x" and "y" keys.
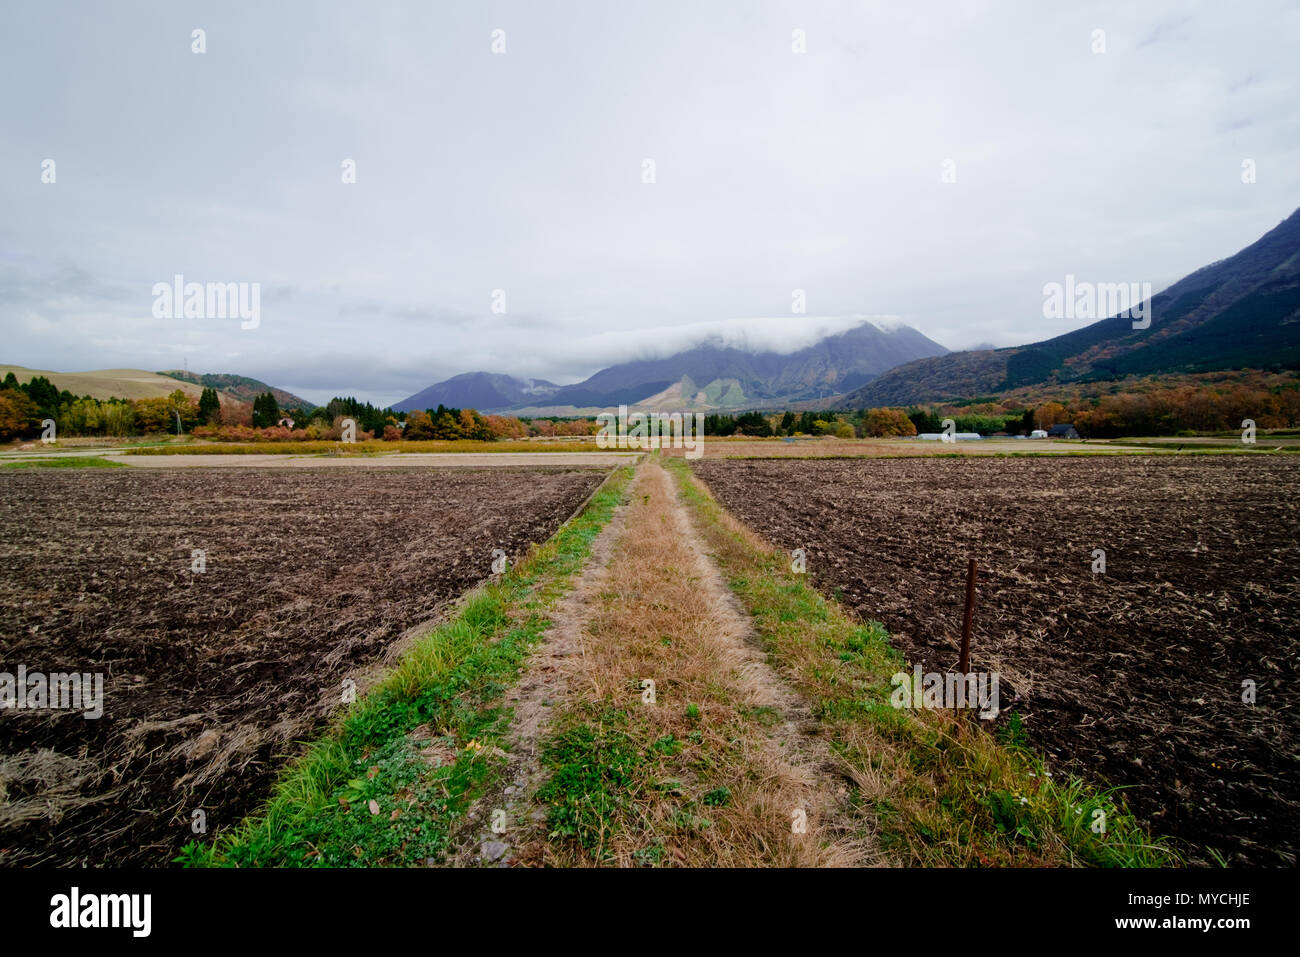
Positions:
{"x": 523, "y": 171}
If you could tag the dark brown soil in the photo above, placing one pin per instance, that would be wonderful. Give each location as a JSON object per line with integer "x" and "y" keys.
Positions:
{"x": 212, "y": 679}
{"x": 1133, "y": 677}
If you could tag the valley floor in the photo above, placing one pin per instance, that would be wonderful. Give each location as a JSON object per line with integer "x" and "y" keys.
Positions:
{"x": 656, "y": 686}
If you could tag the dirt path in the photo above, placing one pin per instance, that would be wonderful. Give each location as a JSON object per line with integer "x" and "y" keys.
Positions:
{"x": 749, "y": 783}
{"x": 795, "y": 741}
{"x": 544, "y": 682}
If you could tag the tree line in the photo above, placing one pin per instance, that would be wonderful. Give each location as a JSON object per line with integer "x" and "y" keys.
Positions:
{"x": 1149, "y": 410}
{"x": 1152, "y": 407}
{"x": 25, "y": 405}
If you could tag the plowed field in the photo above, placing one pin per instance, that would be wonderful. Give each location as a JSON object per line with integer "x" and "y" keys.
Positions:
{"x": 212, "y": 677}
{"x": 1132, "y": 677}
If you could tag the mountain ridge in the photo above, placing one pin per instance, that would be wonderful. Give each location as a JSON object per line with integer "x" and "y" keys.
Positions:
{"x": 240, "y": 387}
{"x": 1242, "y": 311}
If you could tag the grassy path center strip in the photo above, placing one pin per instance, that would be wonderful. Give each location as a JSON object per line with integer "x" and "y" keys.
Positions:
{"x": 675, "y": 744}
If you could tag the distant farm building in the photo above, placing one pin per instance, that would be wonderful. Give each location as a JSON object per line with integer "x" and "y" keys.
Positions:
{"x": 1062, "y": 431}
{"x": 959, "y": 436}
{"x": 1038, "y": 434}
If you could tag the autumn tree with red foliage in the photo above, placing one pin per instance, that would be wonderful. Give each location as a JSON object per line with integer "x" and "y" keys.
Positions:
{"x": 506, "y": 427}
